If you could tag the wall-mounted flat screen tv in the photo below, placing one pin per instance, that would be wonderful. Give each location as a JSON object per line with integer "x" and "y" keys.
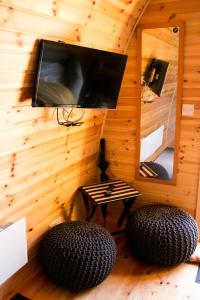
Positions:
{"x": 75, "y": 76}
{"x": 155, "y": 74}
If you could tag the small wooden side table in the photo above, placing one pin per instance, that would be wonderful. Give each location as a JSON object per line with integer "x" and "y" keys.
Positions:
{"x": 106, "y": 192}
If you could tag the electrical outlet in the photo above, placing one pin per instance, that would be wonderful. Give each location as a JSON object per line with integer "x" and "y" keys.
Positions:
{"x": 188, "y": 110}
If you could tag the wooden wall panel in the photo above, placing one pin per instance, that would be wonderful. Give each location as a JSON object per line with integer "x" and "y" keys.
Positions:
{"x": 121, "y": 153}
{"x": 43, "y": 164}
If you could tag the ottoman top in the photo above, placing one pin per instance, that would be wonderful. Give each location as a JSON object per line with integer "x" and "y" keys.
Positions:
{"x": 79, "y": 233}
{"x": 161, "y": 213}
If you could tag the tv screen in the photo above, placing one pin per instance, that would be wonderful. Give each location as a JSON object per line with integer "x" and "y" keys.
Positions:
{"x": 75, "y": 76}
{"x": 155, "y": 74}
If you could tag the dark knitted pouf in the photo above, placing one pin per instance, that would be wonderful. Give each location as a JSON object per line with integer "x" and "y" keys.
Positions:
{"x": 78, "y": 255}
{"x": 162, "y": 234}
{"x": 158, "y": 169}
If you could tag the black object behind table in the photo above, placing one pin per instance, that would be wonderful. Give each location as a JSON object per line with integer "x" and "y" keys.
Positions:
{"x": 103, "y": 165}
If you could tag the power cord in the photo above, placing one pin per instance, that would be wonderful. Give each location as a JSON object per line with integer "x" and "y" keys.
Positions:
{"x": 67, "y": 122}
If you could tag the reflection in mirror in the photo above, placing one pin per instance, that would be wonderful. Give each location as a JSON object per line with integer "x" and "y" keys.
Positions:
{"x": 159, "y": 74}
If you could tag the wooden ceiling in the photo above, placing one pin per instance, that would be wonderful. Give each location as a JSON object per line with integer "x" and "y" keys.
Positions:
{"x": 104, "y": 24}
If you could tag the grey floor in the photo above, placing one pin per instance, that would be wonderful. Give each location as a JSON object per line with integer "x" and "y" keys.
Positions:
{"x": 166, "y": 159}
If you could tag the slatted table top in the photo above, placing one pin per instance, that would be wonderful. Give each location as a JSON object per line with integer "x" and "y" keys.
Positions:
{"x": 117, "y": 189}
{"x": 146, "y": 171}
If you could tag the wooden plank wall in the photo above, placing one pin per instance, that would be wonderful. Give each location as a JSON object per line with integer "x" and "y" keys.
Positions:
{"x": 43, "y": 164}
{"x": 119, "y": 130}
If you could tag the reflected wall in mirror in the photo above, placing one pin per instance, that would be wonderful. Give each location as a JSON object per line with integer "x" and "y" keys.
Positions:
{"x": 159, "y": 75}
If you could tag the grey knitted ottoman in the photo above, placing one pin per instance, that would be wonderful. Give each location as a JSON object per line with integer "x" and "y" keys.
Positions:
{"x": 78, "y": 255}
{"x": 162, "y": 234}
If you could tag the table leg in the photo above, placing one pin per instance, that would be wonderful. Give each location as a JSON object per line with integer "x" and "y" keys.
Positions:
{"x": 87, "y": 206}
{"x": 104, "y": 213}
{"x": 90, "y": 209}
{"x": 126, "y": 212}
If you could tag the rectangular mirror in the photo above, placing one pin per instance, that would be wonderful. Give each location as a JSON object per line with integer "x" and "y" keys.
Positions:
{"x": 159, "y": 79}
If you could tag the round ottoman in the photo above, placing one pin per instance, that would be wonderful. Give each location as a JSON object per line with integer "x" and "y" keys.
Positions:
{"x": 158, "y": 169}
{"x": 162, "y": 234}
{"x": 78, "y": 255}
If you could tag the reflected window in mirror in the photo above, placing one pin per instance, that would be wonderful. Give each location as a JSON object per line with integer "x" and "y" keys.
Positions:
{"x": 159, "y": 77}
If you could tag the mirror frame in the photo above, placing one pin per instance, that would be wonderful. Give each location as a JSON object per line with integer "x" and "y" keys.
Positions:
{"x": 178, "y": 98}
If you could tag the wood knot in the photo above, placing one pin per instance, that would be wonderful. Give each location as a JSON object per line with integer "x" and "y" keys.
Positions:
{"x": 20, "y": 43}
{"x": 55, "y": 8}
{"x": 172, "y": 17}
{"x": 11, "y": 199}
{"x": 54, "y": 11}
{"x": 13, "y": 163}
{"x": 35, "y": 121}
{"x": 26, "y": 140}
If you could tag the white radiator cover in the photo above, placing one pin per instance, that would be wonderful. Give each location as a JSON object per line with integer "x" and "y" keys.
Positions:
{"x": 150, "y": 143}
{"x": 13, "y": 249}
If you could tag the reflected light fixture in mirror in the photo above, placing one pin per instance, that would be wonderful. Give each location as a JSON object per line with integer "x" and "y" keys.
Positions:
{"x": 159, "y": 78}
